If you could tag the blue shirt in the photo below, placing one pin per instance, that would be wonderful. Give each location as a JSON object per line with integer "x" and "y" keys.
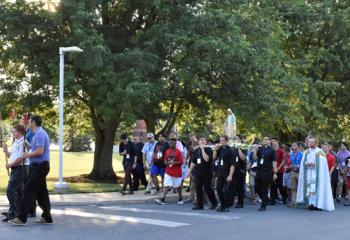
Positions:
{"x": 295, "y": 158}
{"x": 29, "y": 135}
{"x": 41, "y": 139}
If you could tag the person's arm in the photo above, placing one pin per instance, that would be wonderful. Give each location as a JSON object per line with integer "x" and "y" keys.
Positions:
{"x": 193, "y": 165}
{"x": 230, "y": 176}
{"x": 122, "y": 153}
{"x": 255, "y": 154}
{"x": 5, "y": 150}
{"x": 241, "y": 154}
{"x": 39, "y": 143}
{"x": 333, "y": 166}
{"x": 205, "y": 155}
{"x": 16, "y": 163}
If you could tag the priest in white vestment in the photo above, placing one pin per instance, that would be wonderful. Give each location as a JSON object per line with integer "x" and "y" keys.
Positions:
{"x": 314, "y": 186}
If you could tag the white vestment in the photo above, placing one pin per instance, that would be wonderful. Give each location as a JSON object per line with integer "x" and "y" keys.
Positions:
{"x": 314, "y": 186}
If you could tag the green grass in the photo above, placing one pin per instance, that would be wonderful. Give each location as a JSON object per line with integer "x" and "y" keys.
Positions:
{"x": 74, "y": 164}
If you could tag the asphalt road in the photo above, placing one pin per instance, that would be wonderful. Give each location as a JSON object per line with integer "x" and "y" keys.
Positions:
{"x": 152, "y": 221}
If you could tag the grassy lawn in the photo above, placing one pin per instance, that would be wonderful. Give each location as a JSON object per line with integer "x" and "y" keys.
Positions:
{"x": 74, "y": 164}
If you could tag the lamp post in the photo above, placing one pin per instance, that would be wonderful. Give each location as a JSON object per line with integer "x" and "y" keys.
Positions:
{"x": 60, "y": 186}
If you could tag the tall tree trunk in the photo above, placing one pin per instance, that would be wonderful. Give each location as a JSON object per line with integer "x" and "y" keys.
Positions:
{"x": 103, "y": 156}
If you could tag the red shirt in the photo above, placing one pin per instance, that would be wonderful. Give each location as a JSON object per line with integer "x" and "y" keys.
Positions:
{"x": 280, "y": 159}
{"x": 331, "y": 161}
{"x": 287, "y": 161}
{"x": 176, "y": 169}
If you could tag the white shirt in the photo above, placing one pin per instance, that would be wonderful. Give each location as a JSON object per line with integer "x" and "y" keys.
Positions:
{"x": 17, "y": 151}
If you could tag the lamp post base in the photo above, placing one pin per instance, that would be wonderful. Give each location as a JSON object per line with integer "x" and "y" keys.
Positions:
{"x": 60, "y": 187}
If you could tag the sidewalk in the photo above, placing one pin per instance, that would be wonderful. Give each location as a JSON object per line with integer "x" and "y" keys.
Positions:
{"x": 82, "y": 199}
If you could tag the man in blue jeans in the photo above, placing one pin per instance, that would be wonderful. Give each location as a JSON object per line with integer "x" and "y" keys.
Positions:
{"x": 35, "y": 188}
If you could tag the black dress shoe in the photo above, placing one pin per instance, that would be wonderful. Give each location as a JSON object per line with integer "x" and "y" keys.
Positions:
{"x": 213, "y": 207}
{"x": 197, "y": 208}
{"x": 31, "y": 215}
{"x": 222, "y": 209}
{"x": 262, "y": 208}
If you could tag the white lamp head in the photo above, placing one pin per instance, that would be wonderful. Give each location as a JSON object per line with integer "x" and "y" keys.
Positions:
{"x": 70, "y": 49}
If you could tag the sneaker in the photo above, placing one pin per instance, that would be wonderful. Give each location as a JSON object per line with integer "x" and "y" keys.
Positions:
{"x": 43, "y": 221}
{"x": 17, "y": 222}
{"x": 159, "y": 201}
{"x": 181, "y": 202}
{"x": 147, "y": 193}
{"x": 188, "y": 201}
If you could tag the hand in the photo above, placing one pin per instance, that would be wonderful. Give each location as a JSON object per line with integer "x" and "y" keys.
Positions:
{"x": 229, "y": 179}
{"x": 26, "y": 155}
{"x": 134, "y": 165}
{"x": 8, "y": 165}
{"x": 124, "y": 152}
{"x": 217, "y": 147}
{"x": 4, "y": 147}
{"x": 26, "y": 145}
{"x": 275, "y": 177}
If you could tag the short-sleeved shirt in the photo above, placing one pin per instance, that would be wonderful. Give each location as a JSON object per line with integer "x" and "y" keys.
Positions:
{"x": 266, "y": 157}
{"x": 159, "y": 153}
{"x": 295, "y": 158}
{"x": 202, "y": 167}
{"x": 176, "y": 169}
{"x": 40, "y": 140}
{"x": 331, "y": 161}
{"x": 131, "y": 152}
{"x": 240, "y": 164}
{"x": 280, "y": 159}
{"x": 224, "y": 161}
{"x": 139, "y": 147}
{"x": 148, "y": 150}
{"x": 17, "y": 151}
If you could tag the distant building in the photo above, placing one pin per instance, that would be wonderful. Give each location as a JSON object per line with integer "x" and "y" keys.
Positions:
{"x": 140, "y": 129}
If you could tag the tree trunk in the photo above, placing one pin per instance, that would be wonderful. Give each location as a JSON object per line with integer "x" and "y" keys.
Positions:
{"x": 103, "y": 156}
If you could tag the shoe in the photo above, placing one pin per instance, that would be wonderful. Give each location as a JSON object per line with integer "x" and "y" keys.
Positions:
{"x": 31, "y": 215}
{"x": 347, "y": 204}
{"x": 180, "y": 202}
{"x": 262, "y": 208}
{"x": 160, "y": 201}
{"x": 188, "y": 201}
{"x": 147, "y": 193}
{"x": 197, "y": 208}
{"x": 213, "y": 207}
{"x": 122, "y": 192}
{"x": 17, "y": 222}
{"x": 4, "y": 213}
{"x": 43, "y": 221}
{"x": 239, "y": 206}
{"x": 222, "y": 209}
{"x": 291, "y": 205}
{"x": 338, "y": 200}
{"x": 131, "y": 193}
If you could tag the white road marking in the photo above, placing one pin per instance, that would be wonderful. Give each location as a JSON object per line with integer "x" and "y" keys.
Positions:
{"x": 190, "y": 214}
{"x": 149, "y": 221}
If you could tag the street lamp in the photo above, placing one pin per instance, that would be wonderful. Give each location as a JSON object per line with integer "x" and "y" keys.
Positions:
{"x": 60, "y": 186}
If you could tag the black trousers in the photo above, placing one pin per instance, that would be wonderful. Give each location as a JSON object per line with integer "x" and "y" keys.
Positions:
{"x": 224, "y": 191}
{"x": 238, "y": 181}
{"x": 262, "y": 182}
{"x": 127, "y": 177}
{"x": 139, "y": 175}
{"x": 14, "y": 190}
{"x": 27, "y": 170}
{"x": 35, "y": 189}
{"x": 204, "y": 181}
{"x": 278, "y": 185}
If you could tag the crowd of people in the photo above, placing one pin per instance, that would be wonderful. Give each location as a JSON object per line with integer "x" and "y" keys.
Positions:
{"x": 229, "y": 174}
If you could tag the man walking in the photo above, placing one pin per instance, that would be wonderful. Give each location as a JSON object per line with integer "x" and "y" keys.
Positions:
{"x": 127, "y": 149}
{"x": 36, "y": 187}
